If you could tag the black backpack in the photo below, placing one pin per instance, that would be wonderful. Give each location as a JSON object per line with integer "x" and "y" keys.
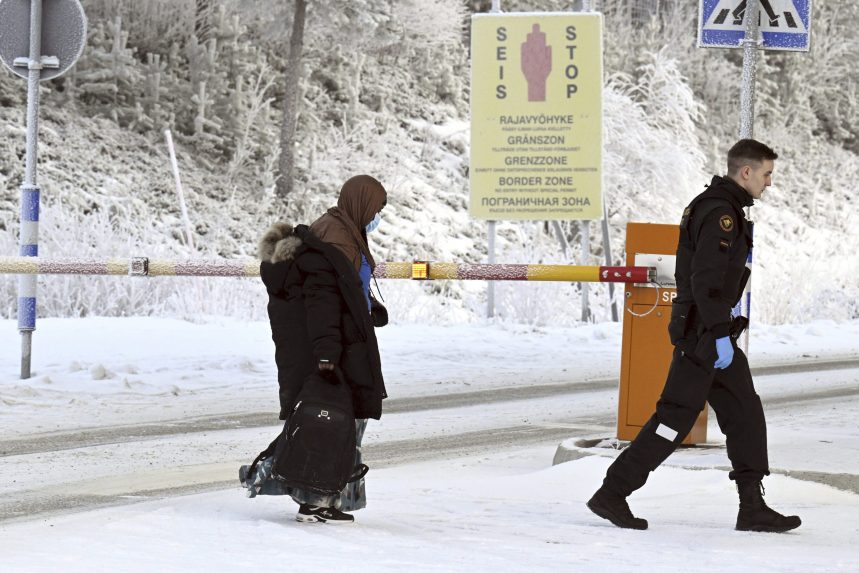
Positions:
{"x": 316, "y": 449}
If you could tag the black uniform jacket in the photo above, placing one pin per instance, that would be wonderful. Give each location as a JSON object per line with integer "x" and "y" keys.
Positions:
{"x": 715, "y": 239}
{"x": 318, "y": 311}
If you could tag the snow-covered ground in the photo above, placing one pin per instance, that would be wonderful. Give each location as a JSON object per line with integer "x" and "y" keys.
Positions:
{"x": 108, "y": 371}
{"x": 495, "y": 509}
{"x": 503, "y": 512}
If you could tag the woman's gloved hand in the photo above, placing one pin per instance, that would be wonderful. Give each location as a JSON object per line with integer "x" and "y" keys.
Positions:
{"x": 725, "y": 350}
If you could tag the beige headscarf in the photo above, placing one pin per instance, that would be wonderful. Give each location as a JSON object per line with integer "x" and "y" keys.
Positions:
{"x": 361, "y": 197}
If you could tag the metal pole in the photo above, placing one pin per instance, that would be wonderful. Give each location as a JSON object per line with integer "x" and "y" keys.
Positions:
{"x": 490, "y": 293}
{"x": 179, "y": 191}
{"x": 559, "y": 232}
{"x": 29, "y": 237}
{"x": 586, "y": 252}
{"x": 587, "y": 6}
{"x": 750, "y": 61}
{"x": 747, "y": 124}
{"x": 490, "y": 288}
{"x": 608, "y": 261}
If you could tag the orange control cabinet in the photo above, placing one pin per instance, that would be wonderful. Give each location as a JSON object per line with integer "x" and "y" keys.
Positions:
{"x": 646, "y": 350}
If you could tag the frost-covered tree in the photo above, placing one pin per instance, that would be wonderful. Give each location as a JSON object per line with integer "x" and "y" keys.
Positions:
{"x": 202, "y": 20}
{"x": 292, "y": 77}
{"x": 384, "y": 89}
{"x": 108, "y": 75}
{"x": 822, "y": 86}
{"x": 343, "y": 34}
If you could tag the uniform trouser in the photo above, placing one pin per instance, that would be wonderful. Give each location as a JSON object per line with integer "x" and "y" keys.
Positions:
{"x": 692, "y": 381}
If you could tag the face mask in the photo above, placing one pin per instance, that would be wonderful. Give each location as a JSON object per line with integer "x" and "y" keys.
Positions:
{"x": 371, "y": 226}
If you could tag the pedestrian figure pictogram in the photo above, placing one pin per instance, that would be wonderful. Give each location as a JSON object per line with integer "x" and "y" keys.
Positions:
{"x": 780, "y": 15}
{"x": 783, "y": 24}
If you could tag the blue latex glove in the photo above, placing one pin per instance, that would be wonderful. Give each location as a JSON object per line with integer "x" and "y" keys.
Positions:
{"x": 725, "y": 350}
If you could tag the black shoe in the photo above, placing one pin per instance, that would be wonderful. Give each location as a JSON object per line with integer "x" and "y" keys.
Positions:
{"x": 614, "y": 508}
{"x": 312, "y": 514}
{"x": 755, "y": 515}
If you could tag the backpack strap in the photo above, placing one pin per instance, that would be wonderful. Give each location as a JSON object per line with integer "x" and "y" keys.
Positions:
{"x": 269, "y": 451}
{"x": 360, "y": 471}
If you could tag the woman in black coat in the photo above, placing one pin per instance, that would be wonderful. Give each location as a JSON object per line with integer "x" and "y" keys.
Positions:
{"x": 319, "y": 308}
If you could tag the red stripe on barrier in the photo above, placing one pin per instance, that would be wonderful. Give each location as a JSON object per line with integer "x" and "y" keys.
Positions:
{"x": 624, "y": 274}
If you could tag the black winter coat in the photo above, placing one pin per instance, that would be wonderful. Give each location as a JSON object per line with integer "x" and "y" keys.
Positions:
{"x": 715, "y": 239}
{"x": 317, "y": 311}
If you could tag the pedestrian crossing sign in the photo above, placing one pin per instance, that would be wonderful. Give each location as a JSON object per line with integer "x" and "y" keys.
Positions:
{"x": 783, "y": 24}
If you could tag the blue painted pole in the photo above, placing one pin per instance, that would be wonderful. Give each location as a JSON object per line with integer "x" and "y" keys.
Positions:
{"x": 29, "y": 247}
{"x": 29, "y": 238}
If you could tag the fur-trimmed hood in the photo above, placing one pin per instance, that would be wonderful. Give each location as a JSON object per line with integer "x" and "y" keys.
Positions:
{"x": 280, "y": 243}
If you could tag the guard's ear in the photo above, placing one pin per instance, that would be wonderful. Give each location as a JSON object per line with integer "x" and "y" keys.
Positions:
{"x": 746, "y": 171}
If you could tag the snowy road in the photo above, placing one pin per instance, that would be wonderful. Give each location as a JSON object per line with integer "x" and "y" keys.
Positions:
{"x": 56, "y": 441}
{"x": 124, "y": 416}
{"x": 82, "y": 470}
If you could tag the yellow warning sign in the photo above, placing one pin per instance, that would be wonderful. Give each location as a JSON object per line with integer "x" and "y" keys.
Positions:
{"x": 536, "y": 116}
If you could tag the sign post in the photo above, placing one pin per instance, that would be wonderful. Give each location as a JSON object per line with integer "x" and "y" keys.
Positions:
{"x": 39, "y": 40}
{"x": 748, "y": 24}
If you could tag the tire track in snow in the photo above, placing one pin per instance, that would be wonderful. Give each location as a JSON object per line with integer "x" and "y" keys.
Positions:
{"x": 56, "y": 441}
{"x": 177, "y": 479}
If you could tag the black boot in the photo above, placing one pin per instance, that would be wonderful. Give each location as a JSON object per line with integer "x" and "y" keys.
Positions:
{"x": 614, "y": 508}
{"x": 755, "y": 515}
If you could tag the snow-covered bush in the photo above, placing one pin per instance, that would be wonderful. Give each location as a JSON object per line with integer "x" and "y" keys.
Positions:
{"x": 115, "y": 232}
{"x": 389, "y": 97}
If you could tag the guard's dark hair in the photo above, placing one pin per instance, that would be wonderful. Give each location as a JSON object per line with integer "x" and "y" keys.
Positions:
{"x": 748, "y": 151}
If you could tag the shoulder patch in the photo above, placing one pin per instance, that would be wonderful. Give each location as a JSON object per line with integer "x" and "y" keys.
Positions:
{"x": 684, "y": 220}
{"x": 726, "y": 223}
